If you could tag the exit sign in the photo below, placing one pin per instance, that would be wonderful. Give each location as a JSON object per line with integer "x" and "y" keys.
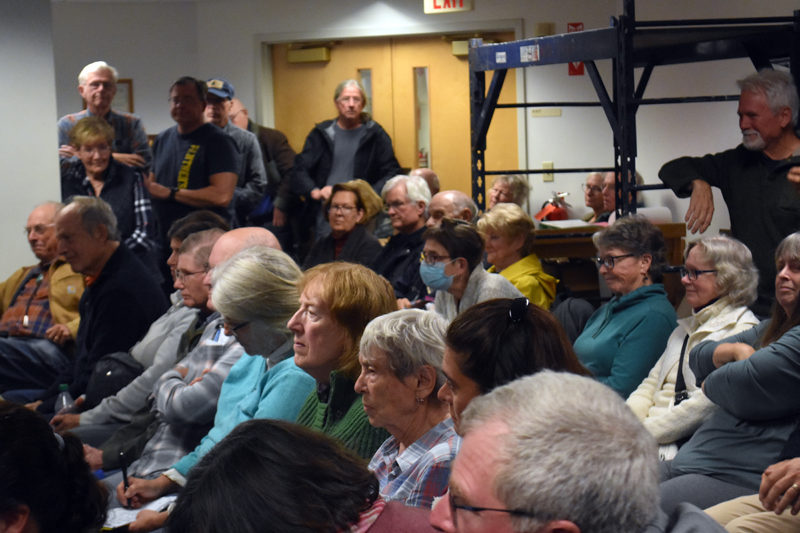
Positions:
{"x": 446, "y": 6}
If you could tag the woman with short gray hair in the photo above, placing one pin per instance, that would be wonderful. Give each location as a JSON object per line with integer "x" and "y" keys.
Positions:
{"x": 720, "y": 281}
{"x": 623, "y": 339}
{"x": 401, "y": 373}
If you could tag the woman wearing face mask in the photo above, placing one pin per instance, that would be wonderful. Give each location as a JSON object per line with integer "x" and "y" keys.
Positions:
{"x": 451, "y": 266}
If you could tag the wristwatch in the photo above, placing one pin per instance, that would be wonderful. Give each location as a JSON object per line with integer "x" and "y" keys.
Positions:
{"x": 172, "y": 191}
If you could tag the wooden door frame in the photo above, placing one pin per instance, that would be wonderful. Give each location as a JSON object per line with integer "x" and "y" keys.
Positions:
{"x": 264, "y": 97}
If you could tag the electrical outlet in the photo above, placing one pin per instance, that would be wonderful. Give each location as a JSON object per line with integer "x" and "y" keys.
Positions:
{"x": 547, "y": 176}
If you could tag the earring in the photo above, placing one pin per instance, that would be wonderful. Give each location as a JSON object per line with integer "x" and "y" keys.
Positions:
{"x": 420, "y": 401}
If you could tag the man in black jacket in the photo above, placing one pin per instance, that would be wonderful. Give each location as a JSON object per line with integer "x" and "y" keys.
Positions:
{"x": 121, "y": 299}
{"x": 351, "y": 146}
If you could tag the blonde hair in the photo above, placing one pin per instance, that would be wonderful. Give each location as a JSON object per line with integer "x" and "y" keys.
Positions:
{"x": 90, "y": 129}
{"x": 509, "y": 220}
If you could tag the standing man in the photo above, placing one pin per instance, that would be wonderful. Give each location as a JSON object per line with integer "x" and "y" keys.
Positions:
{"x": 406, "y": 199}
{"x": 252, "y": 180}
{"x": 764, "y": 205}
{"x": 351, "y": 146}
{"x": 278, "y": 158}
{"x": 195, "y": 164}
{"x": 121, "y": 299}
{"x": 39, "y": 307}
{"x": 97, "y": 85}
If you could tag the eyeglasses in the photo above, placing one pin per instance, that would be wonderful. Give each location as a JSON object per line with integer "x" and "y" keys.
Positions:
{"x": 609, "y": 260}
{"x": 237, "y": 327}
{"x": 103, "y": 149}
{"x": 346, "y": 209}
{"x": 430, "y": 258}
{"x": 395, "y": 205}
{"x": 181, "y": 275}
{"x": 38, "y": 229}
{"x": 350, "y": 99}
{"x": 455, "y": 506}
{"x": 693, "y": 274}
{"x": 593, "y": 189}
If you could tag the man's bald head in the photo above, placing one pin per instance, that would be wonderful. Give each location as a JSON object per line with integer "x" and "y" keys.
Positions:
{"x": 233, "y": 242}
{"x": 238, "y": 113}
{"x": 450, "y": 204}
{"x": 429, "y": 176}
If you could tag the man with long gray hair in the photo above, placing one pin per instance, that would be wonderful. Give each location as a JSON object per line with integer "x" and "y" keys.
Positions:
{"x": 350, "y": 146}
{"x": 557, "y": 452}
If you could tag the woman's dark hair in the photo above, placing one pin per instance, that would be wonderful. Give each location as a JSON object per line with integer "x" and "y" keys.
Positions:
{"x": 460, "y": 239}
{"x": 503, "y": 339}
{"x": 270, "y": 475}
{"x": 788, "y": 251}
{"x": 636, "y": 235}
{"x": 47, "y": 473}
{"x": 196, "y": 221}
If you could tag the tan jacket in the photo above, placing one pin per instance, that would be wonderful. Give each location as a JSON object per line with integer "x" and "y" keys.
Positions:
{"x": 66, "y": 288}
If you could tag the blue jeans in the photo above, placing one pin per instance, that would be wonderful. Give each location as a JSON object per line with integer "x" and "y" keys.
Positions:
{"x": 30, "y": 363}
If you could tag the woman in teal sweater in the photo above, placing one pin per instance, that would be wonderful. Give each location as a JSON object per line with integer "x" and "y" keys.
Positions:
{"x": 337, "y": 302}
{"x": 623, "y": 339}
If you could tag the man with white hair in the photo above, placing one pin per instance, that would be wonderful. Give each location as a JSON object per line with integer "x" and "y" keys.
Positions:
{"x": 556, "y": 452}
{"x": 451, "y": 204}
{"x": 757, "y": 178}
{"x": 97, "y": 85}
{"x": 406, "y": 200}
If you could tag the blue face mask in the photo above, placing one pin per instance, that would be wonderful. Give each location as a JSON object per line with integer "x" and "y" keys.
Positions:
{"x": 434, "y": 277}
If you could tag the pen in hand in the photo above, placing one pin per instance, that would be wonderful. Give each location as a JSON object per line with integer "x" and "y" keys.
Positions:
{"x": 125, "y": 482}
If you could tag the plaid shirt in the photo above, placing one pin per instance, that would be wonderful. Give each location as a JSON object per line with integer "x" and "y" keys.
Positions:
{"x": 129, "y": 134}
{"x": 185, "y": 412}
{"x": 419, "y": 474}
{"x": 32, "y": 301}
{"x": 143, "y": 235}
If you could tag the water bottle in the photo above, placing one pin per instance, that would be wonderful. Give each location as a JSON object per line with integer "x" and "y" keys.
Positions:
{"x": 64, "y": 401}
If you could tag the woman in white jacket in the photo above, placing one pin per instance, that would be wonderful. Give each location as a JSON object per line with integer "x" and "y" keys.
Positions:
{"x": 720, "y": 281}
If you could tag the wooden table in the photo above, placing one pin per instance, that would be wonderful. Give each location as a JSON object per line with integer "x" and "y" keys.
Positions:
{"x": 558, "y": 245}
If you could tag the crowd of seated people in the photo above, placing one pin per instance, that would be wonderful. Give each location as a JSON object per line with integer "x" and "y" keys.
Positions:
{"x": 328, "y": 350}
{"x": 410, "y": 371}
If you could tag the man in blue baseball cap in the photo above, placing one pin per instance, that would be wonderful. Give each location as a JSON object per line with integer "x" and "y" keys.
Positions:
{"x": 252, "y": 182}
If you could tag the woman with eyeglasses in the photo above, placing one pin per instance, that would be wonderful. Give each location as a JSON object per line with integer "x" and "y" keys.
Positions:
{"x": 451, "y": 265}
{"x": 350, "y": 207}
{"x": 256, "y": 293}
{"x": 720, "y": 281}
{"x": 753, "y": 378}
{"x": 624, "y": 338}
{"x": 97, "y": 173}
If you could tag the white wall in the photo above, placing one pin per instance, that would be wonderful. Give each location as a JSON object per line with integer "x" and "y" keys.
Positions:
{"x": 154, "y": 43}
{"x": 27, "y": 133}
{"x": 159, "y": 41}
